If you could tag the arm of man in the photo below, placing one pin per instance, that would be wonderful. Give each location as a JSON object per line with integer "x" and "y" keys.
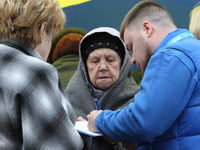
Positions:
{"x": 166, "y": 88}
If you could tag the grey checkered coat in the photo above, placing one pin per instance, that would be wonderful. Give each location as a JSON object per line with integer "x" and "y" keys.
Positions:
{"x": 34, "y": 112}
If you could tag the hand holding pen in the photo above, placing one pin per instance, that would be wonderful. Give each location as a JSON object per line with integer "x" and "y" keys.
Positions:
{"x": 91, "y": 117}
{"x": 91, "y": 120}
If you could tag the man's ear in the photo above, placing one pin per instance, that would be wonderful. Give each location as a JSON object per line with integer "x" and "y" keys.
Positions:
{"x": 147, "y": 28}
{"x": 43, "y": 28}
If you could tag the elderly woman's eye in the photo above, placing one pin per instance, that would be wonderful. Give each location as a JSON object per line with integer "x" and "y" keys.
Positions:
{"x": 110, "y": 59}
{"x": 95, "y": 60}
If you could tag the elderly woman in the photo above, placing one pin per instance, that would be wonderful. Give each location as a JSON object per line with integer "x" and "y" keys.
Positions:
{"x": 104, "y": 73}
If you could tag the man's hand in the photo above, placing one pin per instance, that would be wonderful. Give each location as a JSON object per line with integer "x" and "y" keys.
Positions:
{"x": 91, "y": 118}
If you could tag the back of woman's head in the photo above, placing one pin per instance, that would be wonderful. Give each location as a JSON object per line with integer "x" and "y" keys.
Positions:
{"x": 194, "y": 25}
{"x": 22, "y": 19}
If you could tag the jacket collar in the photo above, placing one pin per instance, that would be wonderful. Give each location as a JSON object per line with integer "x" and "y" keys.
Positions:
{"x": 21, "y": 46}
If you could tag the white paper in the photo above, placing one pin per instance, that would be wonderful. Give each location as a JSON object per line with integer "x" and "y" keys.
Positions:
{"x": 81, "y": 127}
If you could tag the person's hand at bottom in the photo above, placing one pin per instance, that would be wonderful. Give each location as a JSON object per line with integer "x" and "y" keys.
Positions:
{"x": 80, "y": 118}
{"x": 91, "y": 120}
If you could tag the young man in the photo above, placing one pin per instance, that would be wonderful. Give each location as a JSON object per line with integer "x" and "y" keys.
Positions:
{"x": 34, "y": 113}
{"x": 166, "y": 111}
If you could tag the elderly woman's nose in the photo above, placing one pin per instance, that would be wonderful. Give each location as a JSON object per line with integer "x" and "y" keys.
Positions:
{"x": 103, "y": 65}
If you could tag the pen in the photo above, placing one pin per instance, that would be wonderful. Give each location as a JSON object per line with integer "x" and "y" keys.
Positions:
{"x": 97, "y": 104}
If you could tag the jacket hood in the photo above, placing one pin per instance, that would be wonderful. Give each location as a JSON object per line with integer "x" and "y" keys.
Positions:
{"x": 113, "y": 33}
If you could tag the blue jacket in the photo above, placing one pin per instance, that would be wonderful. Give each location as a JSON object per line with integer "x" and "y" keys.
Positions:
{"x": 165, "y": 115}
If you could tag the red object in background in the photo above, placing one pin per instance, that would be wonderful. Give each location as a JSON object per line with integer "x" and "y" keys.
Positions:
{"x": 68, "y": 44}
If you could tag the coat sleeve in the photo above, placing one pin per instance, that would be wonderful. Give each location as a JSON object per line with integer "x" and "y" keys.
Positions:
{"x": 47, "y": 117}
{"x": 166, "y": 88}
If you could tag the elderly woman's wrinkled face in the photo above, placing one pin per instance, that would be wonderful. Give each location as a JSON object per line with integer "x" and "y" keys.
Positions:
{"x": 103, "y": 66}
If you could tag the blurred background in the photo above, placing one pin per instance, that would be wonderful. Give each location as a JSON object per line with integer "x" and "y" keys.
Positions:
{"x": 95, "y": 13}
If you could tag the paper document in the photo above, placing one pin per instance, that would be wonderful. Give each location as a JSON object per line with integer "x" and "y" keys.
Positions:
{"x": 81, "y": 127}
